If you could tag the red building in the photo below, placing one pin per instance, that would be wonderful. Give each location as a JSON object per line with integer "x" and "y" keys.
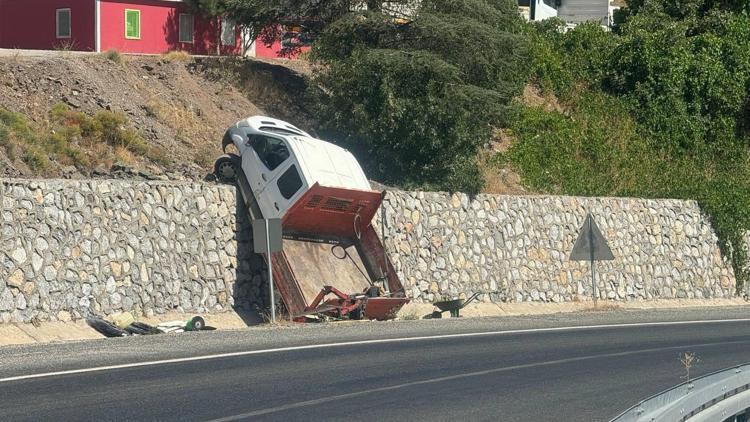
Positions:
{"x": 129, "y": 26}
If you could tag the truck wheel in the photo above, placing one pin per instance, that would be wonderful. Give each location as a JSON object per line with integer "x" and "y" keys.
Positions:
{"x": 226, "y": 167}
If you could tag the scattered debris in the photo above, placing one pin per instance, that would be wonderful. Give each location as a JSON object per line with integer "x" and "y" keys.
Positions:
{"x": 124, "y": 325}
{"x": 370, "y": 304}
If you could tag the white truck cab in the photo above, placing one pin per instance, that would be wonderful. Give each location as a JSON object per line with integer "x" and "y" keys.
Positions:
{"x": 281, "y": 162}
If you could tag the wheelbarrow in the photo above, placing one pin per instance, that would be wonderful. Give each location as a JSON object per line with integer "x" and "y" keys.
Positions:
{"x": 452, "y": 306}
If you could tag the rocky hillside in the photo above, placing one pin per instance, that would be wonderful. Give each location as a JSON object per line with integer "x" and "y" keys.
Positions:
{"x": 65, "y": 115}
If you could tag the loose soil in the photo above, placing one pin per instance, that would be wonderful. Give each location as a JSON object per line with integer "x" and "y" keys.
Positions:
{"x": 180, "y": 106}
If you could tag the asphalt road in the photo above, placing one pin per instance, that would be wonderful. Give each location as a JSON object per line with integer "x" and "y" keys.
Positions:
{"x": 539, "y": 373}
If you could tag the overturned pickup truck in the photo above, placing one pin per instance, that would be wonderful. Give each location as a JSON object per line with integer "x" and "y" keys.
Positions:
{"x": 326, "y": 207}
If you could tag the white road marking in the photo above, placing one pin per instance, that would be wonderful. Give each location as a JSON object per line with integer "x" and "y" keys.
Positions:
{"x": 361, "y": 342}
{"x": 459, "y": 376}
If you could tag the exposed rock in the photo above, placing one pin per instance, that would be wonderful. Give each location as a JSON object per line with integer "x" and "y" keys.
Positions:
{"x": 16, "y": 278}
{"x": 7, "y": 301}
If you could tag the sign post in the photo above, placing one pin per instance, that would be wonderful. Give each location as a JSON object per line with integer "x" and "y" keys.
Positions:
{"x": 267, "y": 240}
{"x": 591, "y": 246}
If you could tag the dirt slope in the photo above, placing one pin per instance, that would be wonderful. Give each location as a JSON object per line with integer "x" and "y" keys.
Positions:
{"x": 178, "y": 105}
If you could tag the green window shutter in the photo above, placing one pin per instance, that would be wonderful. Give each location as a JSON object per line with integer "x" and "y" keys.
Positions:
{"x": 133, "y": 24}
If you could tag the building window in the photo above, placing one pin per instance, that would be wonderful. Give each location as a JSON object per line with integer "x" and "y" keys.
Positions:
{"x": 186, "y": 28}
{"x": 133, "y": 24}
{"x": 63, "y": 23}
{"x": 289, "y": 182}
{"x": 228, "y": 34}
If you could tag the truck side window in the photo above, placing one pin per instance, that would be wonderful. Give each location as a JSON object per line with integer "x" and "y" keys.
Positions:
{"x": 271, "y": 151}
{"x": 289, "y": 182}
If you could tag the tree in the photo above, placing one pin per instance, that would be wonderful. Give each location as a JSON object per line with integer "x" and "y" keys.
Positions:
{"x": 416, "y": 98}
{"x": 263, "y": 18}
{"x": 679, "y": 9}
{"x": 210, "y": 9}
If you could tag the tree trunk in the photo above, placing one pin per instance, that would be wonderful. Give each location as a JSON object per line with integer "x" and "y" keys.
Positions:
{"x": 373, "y": 5}
{"x": 218, "y": 36}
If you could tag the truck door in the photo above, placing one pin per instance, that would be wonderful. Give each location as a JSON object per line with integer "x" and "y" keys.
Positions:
{"x": 286, "y": 187}
{"x": 271, "y": 156}
{"x": 264, "y": 157}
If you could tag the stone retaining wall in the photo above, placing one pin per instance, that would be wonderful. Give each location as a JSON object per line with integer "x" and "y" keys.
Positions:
{"x": 71, "y": 247}
{"x": 68, "y": 248}
{"x": 516, "y": 248}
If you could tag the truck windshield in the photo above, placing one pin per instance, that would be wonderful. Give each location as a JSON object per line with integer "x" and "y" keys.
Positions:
{"x": 271, "y": 151}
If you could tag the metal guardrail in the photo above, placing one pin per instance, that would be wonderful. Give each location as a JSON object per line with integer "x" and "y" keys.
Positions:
{"x": 685, "y": 401}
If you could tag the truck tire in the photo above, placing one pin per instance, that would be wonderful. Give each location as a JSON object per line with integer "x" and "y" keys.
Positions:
{"x": 226, "y": 168}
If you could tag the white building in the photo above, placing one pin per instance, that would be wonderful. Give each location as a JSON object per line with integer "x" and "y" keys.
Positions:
{"x": 572, "y": 12}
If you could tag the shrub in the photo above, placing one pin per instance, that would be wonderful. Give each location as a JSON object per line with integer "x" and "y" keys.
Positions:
{"x": 35, "y": 158}
{"x": 69, "y": 132}
{"x": 177, "y": 56}
{"x": 659, "y": 110}
{"x": 416, "y": 101}
{"x": 113, "y": 55}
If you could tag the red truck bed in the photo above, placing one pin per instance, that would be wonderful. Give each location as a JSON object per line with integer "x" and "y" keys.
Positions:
{"x": 322, "y": 218}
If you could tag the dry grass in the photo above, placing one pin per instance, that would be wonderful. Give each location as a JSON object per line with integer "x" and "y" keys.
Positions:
{"x": 66, "y": 45}
{"x": 501, "y": 180}
{"x": 499, "y": 177}
{"x": 188, "y": 129}
{"x": 177, "y": 56}
{"x": 533, "y": 96}
{"x": 688, "y": 361}
{"x": 205, "y": 155}
{"x": 123, "y": 155}
{"x": 602, "y": 307}
{"x": 282, "y": 318}
{"x": 409, "y": 314}
{"x": 113, "y": 55}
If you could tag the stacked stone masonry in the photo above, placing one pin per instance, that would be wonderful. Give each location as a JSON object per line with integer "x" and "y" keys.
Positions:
{"x": 516, "y": 248}
{"x": 71, "y": 248}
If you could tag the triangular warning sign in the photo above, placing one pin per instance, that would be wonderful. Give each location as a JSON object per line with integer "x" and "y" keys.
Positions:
{"x": 591, "y": 245}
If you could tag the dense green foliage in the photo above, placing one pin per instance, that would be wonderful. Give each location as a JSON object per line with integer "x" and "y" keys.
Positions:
{"x": 262, "y": 18}
{"x": 415, "y": 99}
{"x": 657, "y": 109}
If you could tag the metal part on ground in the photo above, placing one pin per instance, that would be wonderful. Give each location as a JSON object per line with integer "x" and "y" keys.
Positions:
{"x": 110, "y": 329}
{"x": 368, "y": 305}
